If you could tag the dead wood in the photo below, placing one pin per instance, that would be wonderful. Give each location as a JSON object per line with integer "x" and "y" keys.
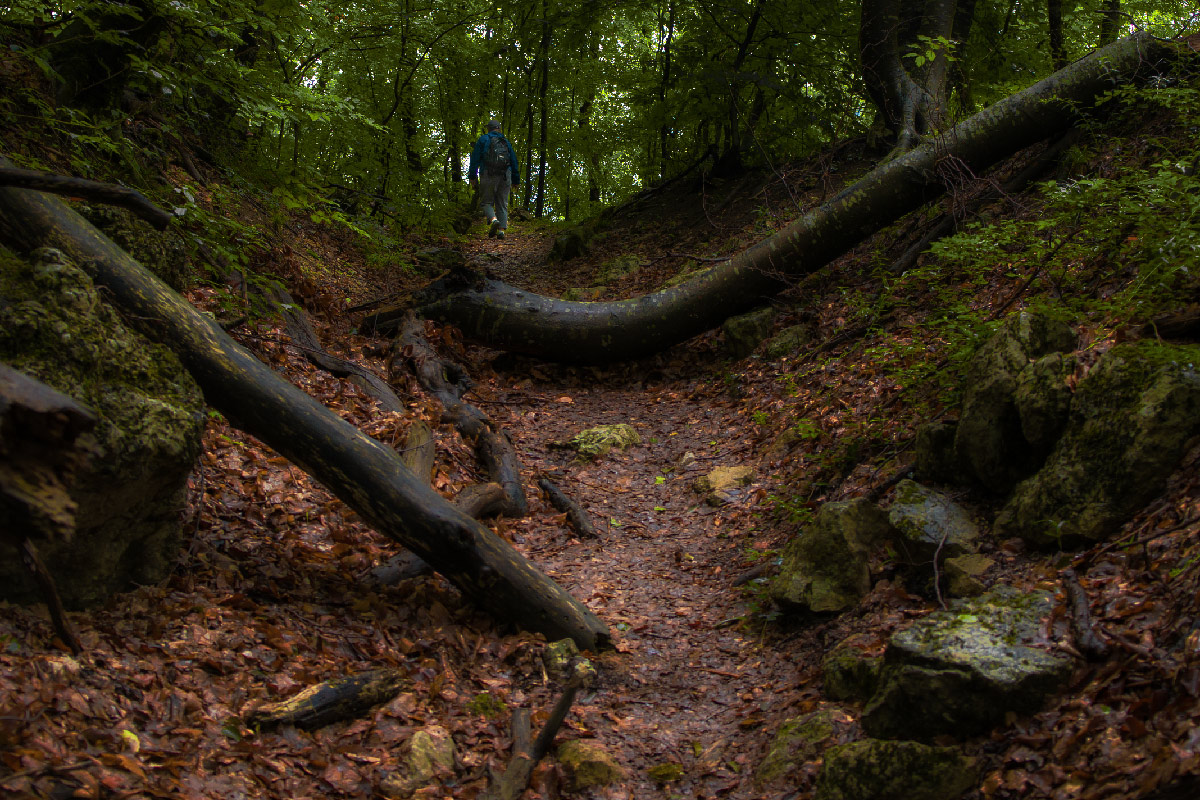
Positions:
{"x": 41, "y": 447}
{"x": 331, "y": 701}
{"x": 525, "y": 756}
{"x": 95, "y": 191}
{"x": 366, "y": 475}
{"x": 1183, "y": 325}
{"x": 1087, "y": 640}
{"x": 575, "y": 514}
{"x": 300, "y": 328}
{"x": 481, "y": 500}
{"x": 448, "y": 381}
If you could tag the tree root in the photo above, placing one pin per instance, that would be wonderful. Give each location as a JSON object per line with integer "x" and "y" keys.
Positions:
{"x": 576, "y": 516}
{"x": 95, "y": 191}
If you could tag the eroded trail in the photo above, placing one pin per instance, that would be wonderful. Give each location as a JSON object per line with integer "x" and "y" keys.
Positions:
{"x": 692, "y": 682}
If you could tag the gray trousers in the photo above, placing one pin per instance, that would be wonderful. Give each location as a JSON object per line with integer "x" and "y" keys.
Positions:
{"x": 493, "y": 195}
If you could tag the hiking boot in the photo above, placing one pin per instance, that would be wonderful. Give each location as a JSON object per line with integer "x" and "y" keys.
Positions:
{"x": 500, "y": 234}
{"x": 494, "y": 229}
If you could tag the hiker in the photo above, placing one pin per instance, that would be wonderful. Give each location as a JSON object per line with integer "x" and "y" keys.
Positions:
{"x": 494, "y": 161}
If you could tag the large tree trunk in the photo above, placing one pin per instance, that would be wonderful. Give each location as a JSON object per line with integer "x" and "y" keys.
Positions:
{"x": 507, "y": 317}
{"x": 369, "y": 476}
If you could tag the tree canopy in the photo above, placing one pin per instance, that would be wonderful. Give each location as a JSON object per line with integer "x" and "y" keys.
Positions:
{"x": 373, "y": 106}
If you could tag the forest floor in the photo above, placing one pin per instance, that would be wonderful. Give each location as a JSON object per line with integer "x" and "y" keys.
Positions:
{"x": 274, "y": 591}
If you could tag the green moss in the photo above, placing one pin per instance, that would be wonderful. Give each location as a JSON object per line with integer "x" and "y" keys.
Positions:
{"x": 598, "y": 441}
{"x": 665, "y": 773}
{"x": 873, "y": 770}
{"x": 484, "y": 705}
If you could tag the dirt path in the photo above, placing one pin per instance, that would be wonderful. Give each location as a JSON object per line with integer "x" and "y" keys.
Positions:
{"x": 692, "y": 683}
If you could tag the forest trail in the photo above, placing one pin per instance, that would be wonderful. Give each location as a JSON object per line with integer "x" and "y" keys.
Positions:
{"x": 691, "y": 682}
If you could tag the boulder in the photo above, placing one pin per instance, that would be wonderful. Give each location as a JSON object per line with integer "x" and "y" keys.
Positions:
{"x": 161, "y": 252}
{"x": 745, "y": 332}
{"x": 958, "y": 672}
{"x": 558, "y": 657}
{"x": 588, "y": 765}
{"x": 571, "y": 243}
{"x": 935, "y": 459}
{"x": 928, "y": 523}
{"x": 131, "y": 490}
{"x": 801, "y": 740}
{"x": 1131, "y": 421}
{"x": 825, "y": 567}
{"x": 988, "y": 441}
{"x": 881, "y": 770}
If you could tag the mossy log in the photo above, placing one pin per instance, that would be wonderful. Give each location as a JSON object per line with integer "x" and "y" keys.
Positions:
{"x": 509, "y": 318}
{"x": 331, "y": 701}
{"x": 366, "y": 474}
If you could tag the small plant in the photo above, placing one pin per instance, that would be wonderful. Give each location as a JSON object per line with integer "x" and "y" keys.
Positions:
{"x": 486, "y": 706}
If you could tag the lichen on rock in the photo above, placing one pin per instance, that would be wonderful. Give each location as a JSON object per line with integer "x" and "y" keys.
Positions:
{"x": 588, "y": 765}
{"x": 598, "y": 441}
{"x": 882, "y": 770}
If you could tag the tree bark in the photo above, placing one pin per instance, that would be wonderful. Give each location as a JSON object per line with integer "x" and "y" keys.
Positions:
{"x": 510, "y": 318}
{"x": 367, "y": 475}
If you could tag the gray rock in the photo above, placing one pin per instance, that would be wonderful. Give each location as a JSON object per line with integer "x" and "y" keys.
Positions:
{"x": 1131, "y": 420}
{"x": 1043, "y": 400}
{"x": 930, "y": 523}
{"x": 879, "y": 770}
{"x": 746, "y": 332}
{"x": 958, "y": 672}
{"x": 825, "y": 567}
{"x": 55, "y": 328}
{"x": 963, "y": 574}
{"x": 988, "y": 441}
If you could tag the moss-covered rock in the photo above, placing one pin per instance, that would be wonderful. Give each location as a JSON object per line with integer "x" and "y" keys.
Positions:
{"x": 878, "y": 770}
{"x": 618, "y": 267}
{"x": 1132, "y": 419}
{"x": 720, "y": 486}
{"x": 745, "y": 332}
{"x": 929, "y": 523}
{"x": 801, "y": 740}
{"x": 789, "y": 341}
{"x": 850, "y": 673}
{"x": 54, "y": 327}
{"x": 588, "y": 765}
{"x": 825, "y": 567}
{"x": 963, "y": 574}
{"x": 558, "y": 656}
{"x": 429, "y": 756}
{"x": 989, "y": 442}
{"x": 958, "y": 672}
{"x": 598, "y": 441}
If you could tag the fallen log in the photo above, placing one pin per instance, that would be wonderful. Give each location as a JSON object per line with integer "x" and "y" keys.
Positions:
{"x": 366, "y": 474}
{"x": 302, "y": 333}
{"x": 330, "y": 701}
{"x": 40, "y": 450}
{"x": 447, "y": 382}
{"x": 509, "y": 318}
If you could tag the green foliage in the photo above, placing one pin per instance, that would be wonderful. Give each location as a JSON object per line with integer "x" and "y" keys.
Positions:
{"x": 484, "y": 705}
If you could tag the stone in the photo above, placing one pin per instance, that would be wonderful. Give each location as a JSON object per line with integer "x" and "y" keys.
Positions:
{"x": 825, "y": 567}
{"x": 801, "y": 740}
{"x": 958, "y": 672}
{"x": 598, "y": 441}
{"x": 883, "y": 770}
{"x": 161, "y": 252}
{"x": 569, "y": 244}
{"x": 588, "y": 765}
{"x": 720, "y": 485}
{"x": 129, "y": 493}
{"x": 558, "y": 656}
{"x": 430, "y": 755}
{"x": 789, "y": 341}
{"x": 935, "y": 458}
{"x": 745, "y": 332}
{"x": 930, "y": 523}
{"x": 1132, "y": 419}
{"x": 850, "y": 673}
{"x": 988, "y": 441}
{"x": 1043, "y": 400}
{"x": 963, "y": 574}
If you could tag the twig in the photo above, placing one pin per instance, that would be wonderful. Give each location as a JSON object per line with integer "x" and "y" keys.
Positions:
{"x": 1083, "y": 629}
{"x": 717, "y": 260}
{"x": 108, "y": 193}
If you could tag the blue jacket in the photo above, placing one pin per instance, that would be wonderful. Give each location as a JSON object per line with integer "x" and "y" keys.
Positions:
{"x": 479, "y": 153}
